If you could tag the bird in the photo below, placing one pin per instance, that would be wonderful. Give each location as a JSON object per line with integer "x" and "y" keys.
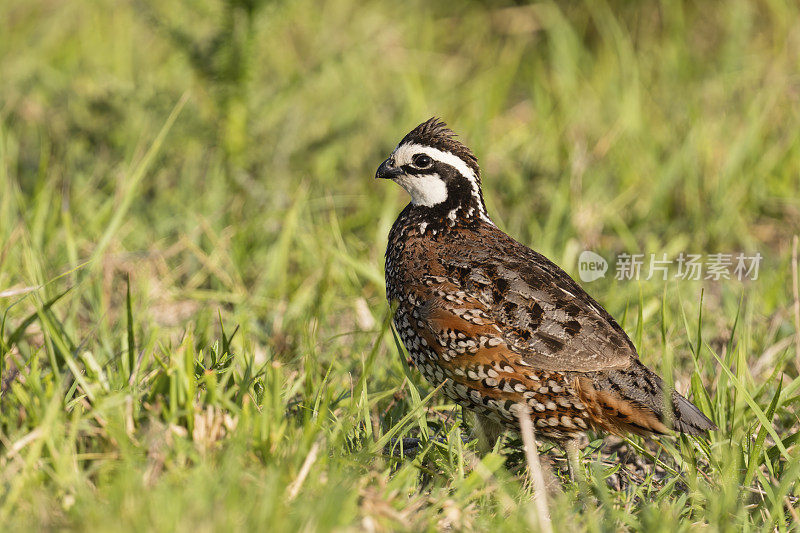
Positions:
{"x": 503, "y": 330}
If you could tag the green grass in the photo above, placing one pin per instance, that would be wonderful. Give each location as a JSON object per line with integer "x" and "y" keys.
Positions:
{"x": 219, "y": 155}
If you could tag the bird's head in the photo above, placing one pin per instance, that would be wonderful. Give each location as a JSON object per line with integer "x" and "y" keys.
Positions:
{"x": 438, "y": 171}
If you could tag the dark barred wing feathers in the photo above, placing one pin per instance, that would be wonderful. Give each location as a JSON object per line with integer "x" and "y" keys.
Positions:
{"x": 543, "y": 314}
{"x": 547, "y": 320}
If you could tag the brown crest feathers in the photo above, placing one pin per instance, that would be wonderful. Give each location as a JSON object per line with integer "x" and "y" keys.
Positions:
{"x": 431, "y": 130}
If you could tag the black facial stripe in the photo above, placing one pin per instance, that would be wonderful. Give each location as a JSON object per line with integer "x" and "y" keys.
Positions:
{"x": 414, "y": 171}
{"x": 443, "y": 170}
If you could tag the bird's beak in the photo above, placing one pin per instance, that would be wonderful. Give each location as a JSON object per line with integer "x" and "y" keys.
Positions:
{"x": 388, "y": 170}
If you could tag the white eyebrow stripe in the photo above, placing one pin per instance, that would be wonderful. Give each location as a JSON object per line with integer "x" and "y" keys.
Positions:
{"x": 405, "y": 152}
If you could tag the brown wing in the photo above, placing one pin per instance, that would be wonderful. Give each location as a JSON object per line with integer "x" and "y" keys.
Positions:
{"x": 475, "y": 347}
{"x": 460, "y": 329}
{"x": 619, "y": 393}
{"x": 540, "y": 312}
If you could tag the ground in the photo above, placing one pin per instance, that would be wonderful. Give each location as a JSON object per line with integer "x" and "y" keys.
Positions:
{"x": 193, "y": 325}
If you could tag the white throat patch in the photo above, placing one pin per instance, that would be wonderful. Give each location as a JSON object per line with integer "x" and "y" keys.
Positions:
{"x": 427, "y": 190}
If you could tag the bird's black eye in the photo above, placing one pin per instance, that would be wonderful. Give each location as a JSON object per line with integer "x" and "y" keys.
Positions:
{"x": 422, "y": 161}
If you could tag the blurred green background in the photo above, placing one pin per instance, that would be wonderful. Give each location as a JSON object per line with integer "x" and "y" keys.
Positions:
{"x": 220, "y": 155}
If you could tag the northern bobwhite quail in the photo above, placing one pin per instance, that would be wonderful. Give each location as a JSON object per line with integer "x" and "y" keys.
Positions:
{"x": 499, "y": 324}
